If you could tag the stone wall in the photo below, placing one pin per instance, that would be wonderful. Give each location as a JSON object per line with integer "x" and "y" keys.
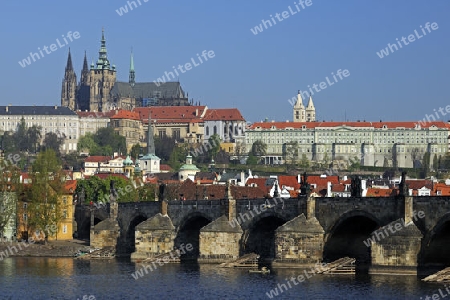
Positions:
{"x": 154, "y": 237}
{"x": 219, "y": 241}
{"x": 299, "y": 241}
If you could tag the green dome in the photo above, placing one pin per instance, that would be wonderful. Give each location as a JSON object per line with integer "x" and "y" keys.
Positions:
{"x": 128, "y": 161}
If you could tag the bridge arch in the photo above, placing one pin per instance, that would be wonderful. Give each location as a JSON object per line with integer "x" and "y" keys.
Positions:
{"x": 130, "y": 236}
{"x": 436, "y": 245}
{"x": 346, "y": 237}
{"x": 259, "y": 235}
{"x": 188, "y": 232}
{"x": 84, "y": 230}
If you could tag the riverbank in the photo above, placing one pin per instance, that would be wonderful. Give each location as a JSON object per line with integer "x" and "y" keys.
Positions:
{"x": 52, "y": 249}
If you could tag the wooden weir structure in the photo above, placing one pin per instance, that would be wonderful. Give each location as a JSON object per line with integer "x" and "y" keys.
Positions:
{"x": 441, "y": 276}
{"x": 345, "y": 265}
{"x": 246, "y": 261}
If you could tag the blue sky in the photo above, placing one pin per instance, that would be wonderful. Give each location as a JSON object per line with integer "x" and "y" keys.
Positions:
{"x": 255, "y": 73}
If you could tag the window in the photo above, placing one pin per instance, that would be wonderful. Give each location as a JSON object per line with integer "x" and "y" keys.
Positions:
{"x": 64, "y": 228}
{"x": 207, "y": 130}
{"x": 215, "y": 130}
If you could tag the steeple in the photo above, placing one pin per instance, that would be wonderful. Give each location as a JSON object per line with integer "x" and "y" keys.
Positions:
{"x": 103, "y": 62}
{"x": 310, "y": 111}
{"x": 299, "y": 102}
{"x": 69, "y": 85}
{"x": 299, "y": 109}
{"x": 131, "y": 79}
{"x": 69, "y": 66}
{"x": 84, "y": 71}
{"x": 310, "y": 103}
{"x": 150, "y": 141}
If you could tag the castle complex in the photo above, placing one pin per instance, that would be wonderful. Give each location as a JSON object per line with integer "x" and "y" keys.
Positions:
{"x": 98, "y": 89}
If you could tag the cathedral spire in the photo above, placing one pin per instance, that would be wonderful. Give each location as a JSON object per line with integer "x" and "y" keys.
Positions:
{"x": 69, "y": 66}
{"x": 131, "y": 79}
{"x": 85, "y": 64}
{"x": 103, "y": 62}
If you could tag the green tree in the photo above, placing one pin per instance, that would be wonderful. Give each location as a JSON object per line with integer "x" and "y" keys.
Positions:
{"x": 304, "y": 162}
{"x": 44, "y": 208}
{"x": 425, "y": 164}
{"x": 86, "y": 143}
{"x": 9, "y": 180}
{"x": 9, "y": 143}
{"x": 355, "y": 164}
{"x": 259, "y": 148}
{"x": 252, "y": 160}
{"x": 135, "y": 151}
{"x": 147, "y": 192}
{"x": 291, "y": 154}
{"x": 214, "y": 146}
{"x": 21, "y": 136}
{"x": 34, "y": 137}
{"x": 105, "y": 137}
{"x": 54, "y": 142}
{"x": 435, "y": 162}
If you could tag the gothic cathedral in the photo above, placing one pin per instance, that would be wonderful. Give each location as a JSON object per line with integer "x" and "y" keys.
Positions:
{"x": 98, "y": 89}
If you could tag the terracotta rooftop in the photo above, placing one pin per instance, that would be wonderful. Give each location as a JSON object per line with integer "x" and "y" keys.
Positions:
{"x": 97, "y": 158}
{"x": 224, "y": 114}
{"x": 161, "y": 114}
{"x": 126, "y": 114}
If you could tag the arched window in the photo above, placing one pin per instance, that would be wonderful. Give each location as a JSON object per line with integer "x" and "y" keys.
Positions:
{"x": 215, "y": 130}
{"x": 207, "y": 130}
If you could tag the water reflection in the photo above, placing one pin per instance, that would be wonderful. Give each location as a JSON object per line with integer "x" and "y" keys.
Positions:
{"x": 66, "y": 278}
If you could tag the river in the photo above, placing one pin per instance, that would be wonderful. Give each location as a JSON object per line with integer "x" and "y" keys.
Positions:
{"x": 65, "y": 278}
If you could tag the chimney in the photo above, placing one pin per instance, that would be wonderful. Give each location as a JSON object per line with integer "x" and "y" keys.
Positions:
{"x": 7, "y": 107}
{"x": 242, "y": 178}
{"x": 196, "y": 112}
{"x": 299, "y": 178}
{"x": 56, "y": 107}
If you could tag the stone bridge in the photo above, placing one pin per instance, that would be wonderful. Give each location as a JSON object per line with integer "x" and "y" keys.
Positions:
{"x": 293, "y": 231}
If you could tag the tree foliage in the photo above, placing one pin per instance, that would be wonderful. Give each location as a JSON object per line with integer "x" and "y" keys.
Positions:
{"x": 259, "y": 148}
{"x": 304, "y": 162}
{"x": 44, "y": 208}
{"x": 97, "y": 190}
{"x": 9, "y": 180}
{"x": 291, "y": 154}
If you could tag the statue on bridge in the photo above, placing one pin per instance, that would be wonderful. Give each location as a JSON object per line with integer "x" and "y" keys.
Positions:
{"x": 305, "y": 188}
{"x": 161, "y": 192}
{"x": 356, "y": 190}
{"x": 403, "y": 189}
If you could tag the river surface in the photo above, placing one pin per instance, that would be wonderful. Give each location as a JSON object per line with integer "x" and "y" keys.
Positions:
{"x": 66, "y": 278}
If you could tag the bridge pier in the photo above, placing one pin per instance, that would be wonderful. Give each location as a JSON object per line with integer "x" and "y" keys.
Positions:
{"x": 395, "y": 246}
{"x": 301, "y": 240}
{"x": 106, "y": 233}
{"x": 219, "y": 241}
{"x": 154, "y": 237}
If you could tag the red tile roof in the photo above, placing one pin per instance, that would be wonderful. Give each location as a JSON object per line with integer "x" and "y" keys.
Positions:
{"x": 169, "y": 114}
{"x": 372, "y": 192}
{"x": 377, "y": 125}
{"x": 125, "y": 114}
{"x": 418, "y": 184}
{"x": 97, "y": 159}
{"x": 319, "y": 181}
{"x": 70, "y": 186}
{"x": 164, "y": 167}
{"x": 224, "y": 114}
{"x": 288, "y": 181}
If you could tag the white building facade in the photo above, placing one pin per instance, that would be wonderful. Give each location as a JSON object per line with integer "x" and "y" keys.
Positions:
{"x": 370, "y": 143}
